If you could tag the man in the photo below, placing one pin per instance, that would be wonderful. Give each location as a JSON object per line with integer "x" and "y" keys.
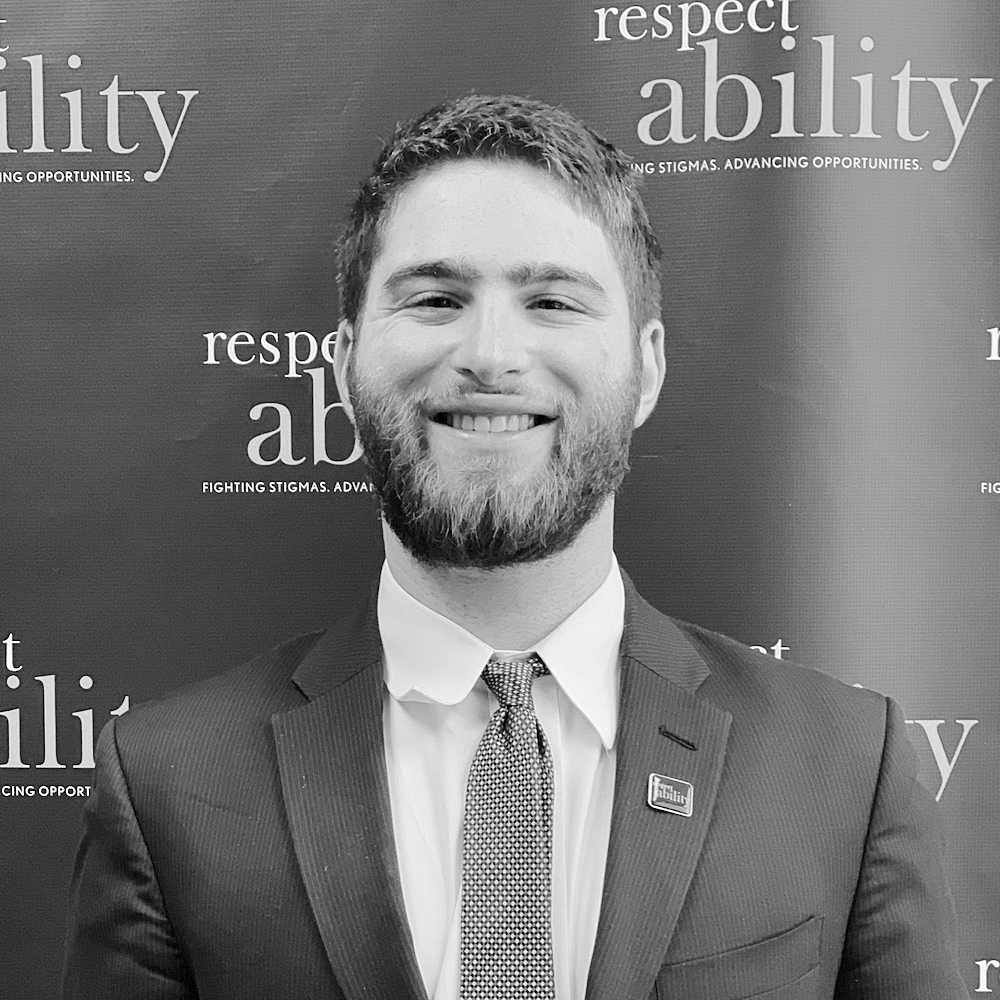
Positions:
{"x": 507, "y": 776}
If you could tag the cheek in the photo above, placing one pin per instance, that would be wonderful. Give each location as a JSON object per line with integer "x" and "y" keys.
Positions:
{"x": 403, "y": 363}
{"x": 596, "y": 367}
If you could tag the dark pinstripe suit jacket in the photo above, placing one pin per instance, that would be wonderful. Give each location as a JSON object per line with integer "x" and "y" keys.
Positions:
{"x": 238, "y": 841}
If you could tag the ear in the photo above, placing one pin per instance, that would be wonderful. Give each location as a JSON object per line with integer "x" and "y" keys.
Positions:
{"x": 342, "y": 352}
{"x": 653, "y": 367}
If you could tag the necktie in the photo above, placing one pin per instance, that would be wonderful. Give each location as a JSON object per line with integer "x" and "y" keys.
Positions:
{"x": 506, "y": 941}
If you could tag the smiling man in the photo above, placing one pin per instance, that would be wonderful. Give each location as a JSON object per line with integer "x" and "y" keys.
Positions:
{"x": 498, "y": 378}
{"x": 507, "y": 776}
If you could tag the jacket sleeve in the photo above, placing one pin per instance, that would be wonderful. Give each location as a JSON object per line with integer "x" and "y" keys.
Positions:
{"x": 119, "y": 943}
{"x": 900, "y": 942}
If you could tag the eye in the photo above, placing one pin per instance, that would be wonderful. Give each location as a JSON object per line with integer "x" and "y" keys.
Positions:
{"x": 550, "y": 302}
{"x": 434, "y": 300}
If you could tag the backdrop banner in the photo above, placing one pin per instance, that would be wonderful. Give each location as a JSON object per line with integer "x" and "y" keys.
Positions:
{"x": 180, "y": 485}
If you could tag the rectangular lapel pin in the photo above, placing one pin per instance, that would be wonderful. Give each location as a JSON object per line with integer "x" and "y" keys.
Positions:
{"x": 670, "y": 795}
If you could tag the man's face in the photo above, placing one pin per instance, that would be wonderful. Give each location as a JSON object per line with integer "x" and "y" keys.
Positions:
{"x": 494, "y": 376}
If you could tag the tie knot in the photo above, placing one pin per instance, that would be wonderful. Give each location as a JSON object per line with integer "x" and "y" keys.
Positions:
{"x": 510, "y": 680}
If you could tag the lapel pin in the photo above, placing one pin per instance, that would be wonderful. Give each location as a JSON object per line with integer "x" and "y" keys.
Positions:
{"x": 670, "y": 795}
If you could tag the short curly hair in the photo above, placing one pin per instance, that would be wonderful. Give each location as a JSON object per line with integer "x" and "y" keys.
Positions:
{"x": 596, "y": 175}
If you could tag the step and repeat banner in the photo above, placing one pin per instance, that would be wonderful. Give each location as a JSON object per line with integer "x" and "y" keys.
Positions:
{"x": 180, "y": 487}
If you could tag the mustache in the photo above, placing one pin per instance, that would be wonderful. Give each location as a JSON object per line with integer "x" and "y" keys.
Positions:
{"x": 456, "y": 396}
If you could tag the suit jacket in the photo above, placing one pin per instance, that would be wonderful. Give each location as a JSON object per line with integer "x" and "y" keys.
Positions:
{"x": 238, "y": 839}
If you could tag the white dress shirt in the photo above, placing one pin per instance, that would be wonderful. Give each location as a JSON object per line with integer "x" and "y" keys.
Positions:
{"x": 435, "y": 712}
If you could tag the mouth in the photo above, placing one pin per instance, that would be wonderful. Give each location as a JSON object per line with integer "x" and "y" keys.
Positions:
{"x": 493, "y": 423}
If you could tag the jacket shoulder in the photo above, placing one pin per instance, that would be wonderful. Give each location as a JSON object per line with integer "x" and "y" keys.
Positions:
{"x": 747, "y": 682}
{"x": 224, "y": 708}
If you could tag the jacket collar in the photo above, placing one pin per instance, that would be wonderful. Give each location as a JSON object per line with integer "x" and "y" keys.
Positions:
{"x": 332, "y": 764}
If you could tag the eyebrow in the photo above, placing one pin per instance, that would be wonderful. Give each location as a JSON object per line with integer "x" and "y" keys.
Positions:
{"x": 543, "y": 273}
{"x": 449, "y": 270}
{"x": 529, "y": 273}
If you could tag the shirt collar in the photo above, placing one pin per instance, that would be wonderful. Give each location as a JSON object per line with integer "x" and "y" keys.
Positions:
{"x": 430, "y": 658}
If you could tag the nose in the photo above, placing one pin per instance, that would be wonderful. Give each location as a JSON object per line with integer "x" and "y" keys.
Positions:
{"x": 492, "y": 345}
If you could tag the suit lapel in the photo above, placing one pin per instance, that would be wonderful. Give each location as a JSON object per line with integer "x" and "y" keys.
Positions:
{"x": 332, "y": 766}
{"x": 652, "y": 855}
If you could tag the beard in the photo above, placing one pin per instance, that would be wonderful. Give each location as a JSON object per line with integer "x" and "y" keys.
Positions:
{"x": 488, "y": 514}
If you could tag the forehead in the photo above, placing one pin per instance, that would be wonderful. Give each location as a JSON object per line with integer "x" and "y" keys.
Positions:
{"x": 497, "y": 215}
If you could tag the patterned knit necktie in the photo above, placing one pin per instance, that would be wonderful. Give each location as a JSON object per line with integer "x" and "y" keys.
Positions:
{"x": 507, "y": 849}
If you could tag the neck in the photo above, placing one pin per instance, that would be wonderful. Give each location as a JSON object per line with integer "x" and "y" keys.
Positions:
{"x": 515, "y": 606}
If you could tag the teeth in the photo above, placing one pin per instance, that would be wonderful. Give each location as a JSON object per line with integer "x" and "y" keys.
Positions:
{"x": 482, "y": 424}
